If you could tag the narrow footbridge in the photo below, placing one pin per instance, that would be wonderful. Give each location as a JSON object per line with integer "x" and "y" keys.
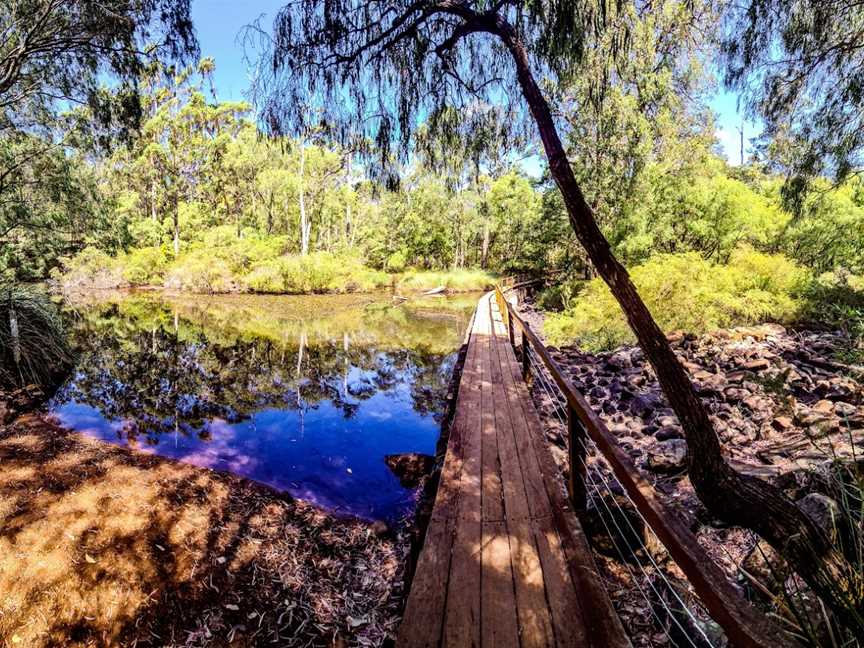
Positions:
{"x": 505, "y": 561}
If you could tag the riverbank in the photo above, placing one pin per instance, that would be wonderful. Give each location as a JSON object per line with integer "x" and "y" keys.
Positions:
{"x": 233, "y": 269}
{"x": 102, "y": 545}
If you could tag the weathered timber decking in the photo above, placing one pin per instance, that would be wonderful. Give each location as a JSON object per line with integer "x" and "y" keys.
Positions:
{"x": 505, "y": 561}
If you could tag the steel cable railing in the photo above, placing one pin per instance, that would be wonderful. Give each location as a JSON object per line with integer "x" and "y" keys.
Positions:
{"x": 543, "y": 381}
{"x": 598, "y": 471}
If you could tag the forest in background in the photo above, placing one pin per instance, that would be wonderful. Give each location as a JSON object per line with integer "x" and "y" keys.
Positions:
{"x": 199, "y": 198}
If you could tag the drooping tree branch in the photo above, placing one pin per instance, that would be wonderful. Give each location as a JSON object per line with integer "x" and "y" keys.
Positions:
{"x": 413, "y": 48}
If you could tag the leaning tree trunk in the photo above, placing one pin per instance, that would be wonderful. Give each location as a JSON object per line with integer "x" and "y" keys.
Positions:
{"x": 735, "y": 498}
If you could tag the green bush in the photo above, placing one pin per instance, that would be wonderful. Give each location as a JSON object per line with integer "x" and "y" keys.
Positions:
{"x": 90, "y": 269}
{"x": 453, "y": 280}
{"x": 559, "y": 296}
{"x": 319, "y": 272}
{"x": 687, "y": 292}
{"x": 201, "y": 272}
{"x": 145, "y": 266}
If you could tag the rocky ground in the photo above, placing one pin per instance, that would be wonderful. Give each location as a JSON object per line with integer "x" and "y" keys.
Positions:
{"x": 782, "y": 404}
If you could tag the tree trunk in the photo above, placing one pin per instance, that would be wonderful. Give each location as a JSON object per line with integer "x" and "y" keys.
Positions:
{"x": 484, "y": 253}
{"x": 153, "y": 200}
{"x": 735, "y": 498}
{"x": 176, "y": 227}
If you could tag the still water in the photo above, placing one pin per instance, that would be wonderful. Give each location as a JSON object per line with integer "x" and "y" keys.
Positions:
{"x": 305, "y": 394}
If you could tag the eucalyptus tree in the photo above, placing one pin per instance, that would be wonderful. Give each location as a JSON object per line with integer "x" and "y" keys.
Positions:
{"x": 799, "y": 63}
{"x": 381, "y": 67}
{"x": 56, "y": 55}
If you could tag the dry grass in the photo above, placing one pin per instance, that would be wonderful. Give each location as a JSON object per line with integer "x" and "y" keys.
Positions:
{"x": 102, "y": 546}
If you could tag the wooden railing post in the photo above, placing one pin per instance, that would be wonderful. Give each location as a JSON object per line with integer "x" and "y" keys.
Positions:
{"x": 577, "y": 457}
{"x": 526, "y": 360}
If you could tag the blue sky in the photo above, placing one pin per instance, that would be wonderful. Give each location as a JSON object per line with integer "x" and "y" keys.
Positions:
{"x": 219, "y": 22}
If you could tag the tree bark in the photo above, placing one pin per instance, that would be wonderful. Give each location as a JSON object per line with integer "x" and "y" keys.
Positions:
{"x": 735, "y": 498}
{"x": 304, "y": 224}
{"x": 176, "y": 227}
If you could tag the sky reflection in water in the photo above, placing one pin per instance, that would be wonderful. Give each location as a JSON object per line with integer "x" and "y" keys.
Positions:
{"x": 305, "y": 394}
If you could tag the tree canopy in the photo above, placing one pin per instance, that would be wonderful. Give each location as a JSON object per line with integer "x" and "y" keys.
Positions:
{"x": 801, "y": 65}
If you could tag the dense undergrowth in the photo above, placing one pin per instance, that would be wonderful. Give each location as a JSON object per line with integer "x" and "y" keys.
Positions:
{"x": 689, "y": 293}
{"x": 223, "y": 263}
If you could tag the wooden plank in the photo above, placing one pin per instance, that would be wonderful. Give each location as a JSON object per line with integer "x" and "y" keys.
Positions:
{"x": 493, "y": 500}
{"x": 535, "y": 619}
{"x": 597, "y": 613}
{"x": 534, "y": 599}
{"x": 462, "y": 615}
{"x": 422, "y": 623}
{"x": 561, "y": 590}
{"x": 535, "y": 489}
{"x": 498, "y": 609}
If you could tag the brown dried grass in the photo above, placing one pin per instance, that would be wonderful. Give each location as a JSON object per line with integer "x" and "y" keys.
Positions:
{"x": 103, "y": 546}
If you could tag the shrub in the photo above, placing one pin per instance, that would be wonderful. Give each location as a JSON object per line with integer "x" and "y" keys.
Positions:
{"x": 145, "y": 266}
{"x": 397, "y": 261}
{"x": 686, "y": 292}
{"x": 33, "y": 347}
{"x": 201, "y": 272}
{"x": 318, "y": 272}
{"x": 91, "y": 268}
{"x": 454, "y": 280}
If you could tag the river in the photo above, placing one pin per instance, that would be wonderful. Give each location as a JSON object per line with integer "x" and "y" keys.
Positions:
{"x": 306, "y": 394}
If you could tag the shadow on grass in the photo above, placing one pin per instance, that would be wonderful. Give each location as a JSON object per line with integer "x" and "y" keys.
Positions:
{"x": 103, "y": 546}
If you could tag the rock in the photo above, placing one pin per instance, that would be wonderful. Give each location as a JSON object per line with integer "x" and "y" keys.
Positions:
{"x": 734, "y": 394}
{"x": 410, "y": 467}
{"x": 823, "y": 407}
{"x": 668, "y": 432}
{"x": 781, "y": 423}
{"x": 675, "y": 336}
{"x": 844, "y": 409}
{"x": 824, "y": 427}
{"x": 644, "y": 403}
{"x": 737, "y": 377}
{"x": 668, "y": 456}
{"x": 755, "y": 365}
{"x": 620, "y": 360}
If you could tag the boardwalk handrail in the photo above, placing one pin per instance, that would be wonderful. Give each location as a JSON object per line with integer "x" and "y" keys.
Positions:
{"x": 743, "y": 625}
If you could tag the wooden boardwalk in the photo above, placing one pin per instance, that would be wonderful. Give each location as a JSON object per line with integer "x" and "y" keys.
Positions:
{"x": 505, "y": 561}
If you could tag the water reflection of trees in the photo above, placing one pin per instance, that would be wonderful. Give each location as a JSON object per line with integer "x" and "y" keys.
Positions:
{"x": 163, "y": 367}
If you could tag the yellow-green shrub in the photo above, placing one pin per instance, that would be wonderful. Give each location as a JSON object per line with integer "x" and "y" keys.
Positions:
{"x": 145, "y": 266}
{"x": 91, "y": 268}
{"x": 201, "y": 272}
{"x": 318, "y": 272}
{"x": 686, "y": 292}
{"x": 454, "y": 280}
